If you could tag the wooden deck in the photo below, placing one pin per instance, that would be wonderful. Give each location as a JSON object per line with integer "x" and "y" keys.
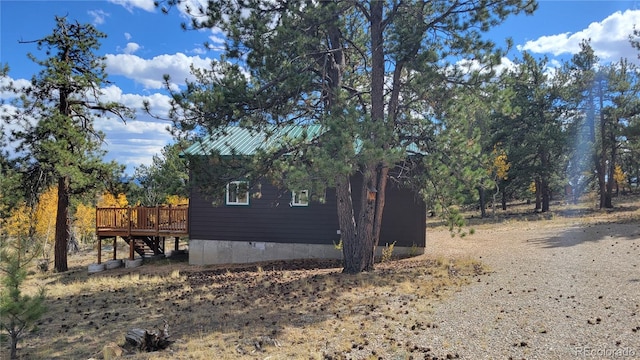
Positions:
{"x": 142, "y": 221}
{"x": 141, "y": 225}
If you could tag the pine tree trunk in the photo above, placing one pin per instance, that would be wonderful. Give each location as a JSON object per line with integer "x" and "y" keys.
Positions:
{"x": 346, "y": 220}
{"x": 608, "y": 203}
{"x": 546, "y": 195}
{"x": 545, "y": 190}
{"x": 375, "y": 173}
{"x": 538, "y": 195}
{"x": 62, "y": 225}
{"x": 601, "y": 162}
{"x": 14, "y": 345}
{"x": 366, "y": 216}
{"x": 483, "y": 211}
{"x": 602, "y": 185}
{"x": 612, "y": 166}
{"x": 383, "y": 173}
{"x": 360, "y": 232}
{"x": 504, "y": 200}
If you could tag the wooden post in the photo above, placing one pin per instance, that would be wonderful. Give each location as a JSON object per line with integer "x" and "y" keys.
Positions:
{"x": 157, "y": 224}
{"x": 129, "y": 221}
{"x": 156, "y": 243}
{"x": 99, "y": 250}
{"x": 131, "y": 245}
{"x": 115, "y": 239}
{"x": 177, "y": 244}
{"x": 99, "y": 239}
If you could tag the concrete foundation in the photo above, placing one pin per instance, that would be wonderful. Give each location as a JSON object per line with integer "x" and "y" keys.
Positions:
{"x": 209, "y": 252}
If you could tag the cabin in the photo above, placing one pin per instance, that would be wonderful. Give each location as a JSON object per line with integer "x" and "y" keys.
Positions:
{"x": 236, "y": 226}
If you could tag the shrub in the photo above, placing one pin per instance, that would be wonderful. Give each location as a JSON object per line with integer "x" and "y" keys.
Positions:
{"x": 18, "y": 312}
{"x": 387, "y": 252}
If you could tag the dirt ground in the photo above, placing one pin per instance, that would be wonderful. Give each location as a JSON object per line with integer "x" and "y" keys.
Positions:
{"x": 564, "y": 285}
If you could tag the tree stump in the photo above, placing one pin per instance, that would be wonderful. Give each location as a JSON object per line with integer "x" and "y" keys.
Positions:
{"x": 148, "y": 341}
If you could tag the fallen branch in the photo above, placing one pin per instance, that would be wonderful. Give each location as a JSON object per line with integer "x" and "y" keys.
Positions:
{"x": 145, "y": 340}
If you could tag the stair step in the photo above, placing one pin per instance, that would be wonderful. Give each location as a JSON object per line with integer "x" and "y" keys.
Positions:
{"x": 144, "y": 247}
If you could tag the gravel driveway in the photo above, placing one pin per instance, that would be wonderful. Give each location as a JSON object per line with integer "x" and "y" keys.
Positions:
{"x": 555, "y": 291}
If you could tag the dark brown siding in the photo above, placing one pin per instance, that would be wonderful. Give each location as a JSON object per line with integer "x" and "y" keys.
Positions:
{"x": 271, "y": 219}
{"x": 403, "y": 219}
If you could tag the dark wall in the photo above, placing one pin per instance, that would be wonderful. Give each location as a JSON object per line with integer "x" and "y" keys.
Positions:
{"x": 271, "y": 219}
{"x": 404, "y": 219}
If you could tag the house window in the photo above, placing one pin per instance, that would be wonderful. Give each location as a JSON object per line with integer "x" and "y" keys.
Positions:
{"x": 237, "y": 193}
{"x": 300, "y": 198}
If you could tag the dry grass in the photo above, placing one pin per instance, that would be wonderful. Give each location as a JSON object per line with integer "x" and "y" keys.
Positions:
{"x": 277, "y": 310}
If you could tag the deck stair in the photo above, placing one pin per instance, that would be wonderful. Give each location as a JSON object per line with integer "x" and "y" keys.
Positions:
{"x": 145, "y": 247}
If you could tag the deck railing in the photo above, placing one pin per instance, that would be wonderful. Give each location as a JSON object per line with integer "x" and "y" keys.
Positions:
{"x": 142, "y": 220}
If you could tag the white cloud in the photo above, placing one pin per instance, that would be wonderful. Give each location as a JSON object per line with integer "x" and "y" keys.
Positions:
{"x": 217, "y": 39}
{"x": 505, "y": 65}
{"x": 192, "y": 7}
{"x": 216, "y": 42}
{"x": 16, "y": 83}
{"x": 146, "y": 5}
{"x": 158, "y": 103}
{"x": 98, "y": 16}
{"x": 131, "y": 48}
{"x": 150, "y": 72}
{"x": 555, "y": 44}
{"x": 122, "y": 131}
{"x": 135, "y": 141}
{"x": 609, "y": 38}
{"x": 199, "y": 51}
{"x": 127, "y": 36}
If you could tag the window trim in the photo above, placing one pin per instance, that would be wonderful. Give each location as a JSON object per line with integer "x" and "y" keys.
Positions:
{"x": 236, "y": 203}
{"x": 298, "y": 203}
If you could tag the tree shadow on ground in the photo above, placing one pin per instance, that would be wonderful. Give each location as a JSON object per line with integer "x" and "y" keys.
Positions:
{"x": 242, "y": 305}
{"x": 589, "y": 233}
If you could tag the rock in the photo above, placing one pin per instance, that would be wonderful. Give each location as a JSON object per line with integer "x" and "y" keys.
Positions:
{"x": 112, "y": 351}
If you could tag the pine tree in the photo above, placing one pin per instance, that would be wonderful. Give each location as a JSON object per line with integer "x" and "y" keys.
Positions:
{"x": 18, "y": 312}
{"x": 57, "y": 114}
{"x": 535, "y": 131}
{"x": 369, "y": 72}
{"x": 166, "y": 176}
{"x": 605, "y": 98}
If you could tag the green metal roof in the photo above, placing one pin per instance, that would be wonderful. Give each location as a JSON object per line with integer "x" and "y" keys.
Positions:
{"x": 236, "y": 140}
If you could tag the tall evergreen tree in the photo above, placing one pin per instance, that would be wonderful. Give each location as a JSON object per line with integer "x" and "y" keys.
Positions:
{"x": 56, "y": 117}
{"x": 454, "y": 163}
{"x": 166, "y": 175}
{"x": 621, "y": 113}
{"x": 605, "y": 97}
{"x": 535, "y": 130}
{"x": 369, "y": 72}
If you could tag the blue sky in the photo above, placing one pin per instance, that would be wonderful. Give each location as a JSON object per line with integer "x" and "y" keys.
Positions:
{"x": 143, "y": 44}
